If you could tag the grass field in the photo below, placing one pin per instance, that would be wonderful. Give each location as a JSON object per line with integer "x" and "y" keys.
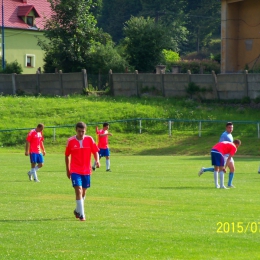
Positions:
{"x": 149, "y": 207}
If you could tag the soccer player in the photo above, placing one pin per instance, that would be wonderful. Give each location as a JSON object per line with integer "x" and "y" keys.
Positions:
{"x": 35, "y": 148}
{"x": 218, "y": 153}
{"x": 78, "y": 165}
{"x": 226, "y": 136}
{"x": 103, "y": 145}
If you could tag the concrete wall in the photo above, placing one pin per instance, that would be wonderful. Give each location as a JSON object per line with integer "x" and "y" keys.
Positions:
{"x": 6, "y": 85}
{"x": 45, "y": 84}
{"x": 253, "y": 82}
{"x": 222, "y": 86}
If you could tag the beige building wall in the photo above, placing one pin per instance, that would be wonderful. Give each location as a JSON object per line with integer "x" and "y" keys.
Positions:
{"x": 240, "y": 33}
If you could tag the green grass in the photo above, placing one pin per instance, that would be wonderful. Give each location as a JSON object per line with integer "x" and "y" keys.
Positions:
{"x": 149, "y": 207}
{"x": 26, "y": 112}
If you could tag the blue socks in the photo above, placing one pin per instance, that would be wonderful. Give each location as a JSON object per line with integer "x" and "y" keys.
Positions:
{"x": 211, "y": 169}
{"x": 231, "y": 176}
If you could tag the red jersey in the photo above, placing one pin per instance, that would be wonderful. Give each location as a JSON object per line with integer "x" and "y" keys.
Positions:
{"x": 225, "y": 148}
{"x": 102, "y": 140}
{"x": 80, "y": 154}
{"x": 35, "y": 139}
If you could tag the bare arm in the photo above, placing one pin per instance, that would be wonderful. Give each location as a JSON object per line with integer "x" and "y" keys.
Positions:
{"x": 43, "y": 149}
{"x": 67, "y": 163}
{"x": 27, "y": 148}
{"x": 227, "y": 162}
{"x": 105, "y": 134}
{"x": 96, "y": 156}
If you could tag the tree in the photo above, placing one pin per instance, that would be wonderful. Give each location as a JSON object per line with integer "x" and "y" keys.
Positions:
{"x": 144, "y": 43}
{"x": 115, "y": 13}
{"x": 171, "y": 14}
{"x": 71, "y": 32}
{"x": 105, "y": 57}
{"x": 203, "y": 22}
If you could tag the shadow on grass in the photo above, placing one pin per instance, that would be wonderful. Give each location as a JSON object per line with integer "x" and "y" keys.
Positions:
{"x": 187, "y": 146}
{"x": 184, "y": 188}
{"x": 38, "y": 220}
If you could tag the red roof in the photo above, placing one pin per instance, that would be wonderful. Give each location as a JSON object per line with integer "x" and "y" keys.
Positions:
{"x": 25, "y": 10}
{"x": 15, "y": 9}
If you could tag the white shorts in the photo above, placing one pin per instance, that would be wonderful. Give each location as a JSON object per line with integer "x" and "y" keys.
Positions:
{"x": 226, "y": 157}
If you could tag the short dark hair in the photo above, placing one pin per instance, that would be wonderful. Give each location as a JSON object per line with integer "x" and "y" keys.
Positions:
{"x": 81, "y": 125}
{"x": 237, "y": 141}
{"x": 229, "y": 123}
{"x": 105, "y": 124}
{"x": 40, "y": 126}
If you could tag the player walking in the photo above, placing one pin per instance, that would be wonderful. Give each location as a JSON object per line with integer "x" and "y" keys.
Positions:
{"x": 35, "y": 148}
{"x": 78, "y": 165}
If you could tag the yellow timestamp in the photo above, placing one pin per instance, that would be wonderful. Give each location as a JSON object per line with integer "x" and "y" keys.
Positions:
{"x": 238, "y": 227}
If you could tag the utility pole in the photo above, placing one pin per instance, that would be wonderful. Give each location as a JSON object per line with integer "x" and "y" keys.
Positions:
{"x": 3, "y": 37}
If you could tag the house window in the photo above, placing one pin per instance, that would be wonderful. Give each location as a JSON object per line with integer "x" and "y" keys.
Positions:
{"x": 29, "y": 20}
{"x": 29, "y": 60}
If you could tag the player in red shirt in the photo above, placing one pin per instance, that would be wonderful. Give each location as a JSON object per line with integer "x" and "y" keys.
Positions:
{"x": 218, "y": 159}
{"x": 35, "y": 148}
{"x": 78, "y": 165}
{"x": 103, "y": 145}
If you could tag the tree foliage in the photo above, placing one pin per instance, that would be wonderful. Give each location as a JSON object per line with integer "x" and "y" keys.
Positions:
{"x": 71, "y": 33}
{"x": 141, "y": 28}
{"x": 11, "y": 67}
{"x": 144, "y": 43}
{"x": 105, "y": 57}
{"x": 115, "y": 13}
{"x": 203, "y": 21}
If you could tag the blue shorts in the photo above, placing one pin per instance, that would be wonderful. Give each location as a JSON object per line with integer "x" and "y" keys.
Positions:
{"x": 104, "y": 152}
{"x": 217, "y": 158}
{"x": 36, "y": 158}
{"x": 80, "y": 180}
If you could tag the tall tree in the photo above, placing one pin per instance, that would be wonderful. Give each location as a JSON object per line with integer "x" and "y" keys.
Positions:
{"x": 144, "y": 42}
{"x": 71, "y": 32}
{"x": 171, "y": 13}
{"x": 203, "y": 22}
{"x": 115, "y": 13}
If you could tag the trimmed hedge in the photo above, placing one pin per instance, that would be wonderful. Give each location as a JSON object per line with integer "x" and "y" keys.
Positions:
{"x": 198, "y": 66}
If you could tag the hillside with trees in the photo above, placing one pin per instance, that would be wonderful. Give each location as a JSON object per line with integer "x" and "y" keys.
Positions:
{"x": 120, "y": 34}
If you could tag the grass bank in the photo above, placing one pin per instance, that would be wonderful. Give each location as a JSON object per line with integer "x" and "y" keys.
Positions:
{"x": 185, "y": 139}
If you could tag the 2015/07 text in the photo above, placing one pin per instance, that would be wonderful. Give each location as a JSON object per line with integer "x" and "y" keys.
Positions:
{"x": 238, "y": 227}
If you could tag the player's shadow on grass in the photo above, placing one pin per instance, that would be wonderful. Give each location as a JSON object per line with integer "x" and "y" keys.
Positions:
{"x": 37, "y": 220}
{"x": 184, "y": 188}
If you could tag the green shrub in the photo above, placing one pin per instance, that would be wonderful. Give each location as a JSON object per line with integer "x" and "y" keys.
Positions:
{"x": 12, "y": 67}
{"x": 245, "y": 100}
{"x": 193, "y": 89}
{"x": 170, "y": 57}
{"x": 195, "y": 66}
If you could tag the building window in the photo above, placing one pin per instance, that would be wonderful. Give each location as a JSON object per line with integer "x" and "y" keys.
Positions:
{"x": 30, "y": 60}
{"x": 29, "y": 20}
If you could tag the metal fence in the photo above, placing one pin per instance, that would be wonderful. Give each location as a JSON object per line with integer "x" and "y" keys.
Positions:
{"x": 9, "y": 137}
